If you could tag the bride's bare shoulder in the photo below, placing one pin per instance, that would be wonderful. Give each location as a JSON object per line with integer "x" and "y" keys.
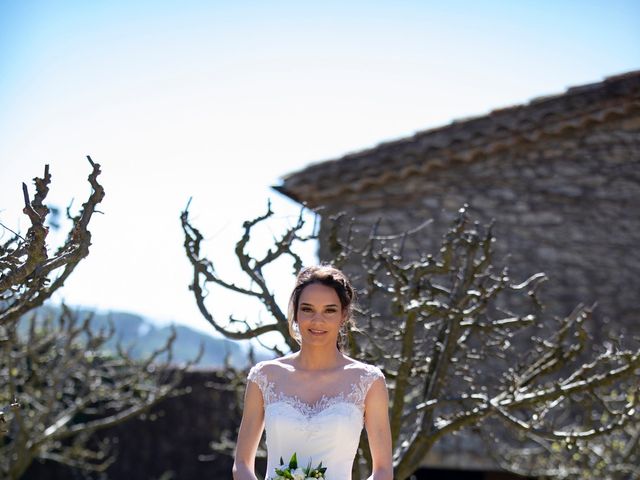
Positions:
{"x": 286, "y": 364}
{"x": 365, "y": 368}
{"x": 280, "y": 363}
{"x": 265, "y": 371}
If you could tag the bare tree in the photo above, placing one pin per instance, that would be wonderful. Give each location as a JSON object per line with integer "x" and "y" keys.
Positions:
{"x": 69, "y": 386}
{"x": 59, "y": 383}
{"x": 461, "y": 344}
{"x": 25, "y": 264}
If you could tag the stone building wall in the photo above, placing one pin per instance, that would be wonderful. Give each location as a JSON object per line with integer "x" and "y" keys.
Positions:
{"x": 568, "y": 206}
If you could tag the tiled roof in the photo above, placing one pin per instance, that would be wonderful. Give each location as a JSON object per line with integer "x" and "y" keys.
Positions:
{"x": 465, "y": 140}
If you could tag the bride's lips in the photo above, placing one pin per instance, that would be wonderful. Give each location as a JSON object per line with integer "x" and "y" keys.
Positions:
{"x": 316, "y": 333}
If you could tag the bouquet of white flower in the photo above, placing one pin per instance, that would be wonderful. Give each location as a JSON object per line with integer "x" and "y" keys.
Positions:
{"x": 293, "y": 472}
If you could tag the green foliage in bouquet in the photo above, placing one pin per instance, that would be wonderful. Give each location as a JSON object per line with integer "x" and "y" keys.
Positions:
{"x": 292, "y": 472}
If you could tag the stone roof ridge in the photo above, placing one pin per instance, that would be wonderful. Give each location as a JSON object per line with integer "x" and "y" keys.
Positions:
{"x": 553, "y": 103}
{"x": 507, "y": 110}
{"x": 575, "y": 108}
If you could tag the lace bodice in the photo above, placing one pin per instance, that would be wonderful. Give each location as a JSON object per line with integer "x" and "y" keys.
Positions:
{"x": 319, "y": 416}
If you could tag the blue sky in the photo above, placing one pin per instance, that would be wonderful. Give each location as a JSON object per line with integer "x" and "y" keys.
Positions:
{"x": 218, "y": 100}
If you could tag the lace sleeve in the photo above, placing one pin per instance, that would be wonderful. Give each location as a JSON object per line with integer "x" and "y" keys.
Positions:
{"x": 370, "y": 375}
{"x": 258, "y": 376}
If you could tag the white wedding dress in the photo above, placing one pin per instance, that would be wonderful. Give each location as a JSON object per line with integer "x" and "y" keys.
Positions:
{"x": 319, "y": 416}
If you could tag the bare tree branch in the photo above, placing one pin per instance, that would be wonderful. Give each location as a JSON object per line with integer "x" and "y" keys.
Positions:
{"x": 25, "y": 266}
{"x": 204, "y": 273}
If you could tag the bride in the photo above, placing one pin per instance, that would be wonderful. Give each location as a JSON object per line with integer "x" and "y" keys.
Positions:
{"x": 315, "y": 402}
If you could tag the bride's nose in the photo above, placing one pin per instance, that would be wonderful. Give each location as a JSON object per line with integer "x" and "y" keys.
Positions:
{"x": 317, "y": 317}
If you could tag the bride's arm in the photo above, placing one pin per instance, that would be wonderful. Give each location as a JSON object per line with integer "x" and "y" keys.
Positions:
{"x": 249, "y": 434}
{"x": 376, "y": 420}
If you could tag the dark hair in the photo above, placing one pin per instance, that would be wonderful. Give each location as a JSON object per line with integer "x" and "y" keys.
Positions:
{"x": 329, "y": 276}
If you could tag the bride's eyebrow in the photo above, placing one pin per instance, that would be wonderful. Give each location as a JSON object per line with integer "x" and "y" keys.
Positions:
{"x": 312, "y": 305}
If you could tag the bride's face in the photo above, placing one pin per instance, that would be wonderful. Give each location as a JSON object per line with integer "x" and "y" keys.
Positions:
{"x": 319, "y": 314}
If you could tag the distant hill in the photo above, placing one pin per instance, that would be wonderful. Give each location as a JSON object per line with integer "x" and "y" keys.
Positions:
{"x": 141, "y": 336}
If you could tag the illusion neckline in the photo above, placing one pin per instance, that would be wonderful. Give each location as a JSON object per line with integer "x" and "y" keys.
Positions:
{"x": 355, "y": 396}
{"x": 295, "y": 369}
